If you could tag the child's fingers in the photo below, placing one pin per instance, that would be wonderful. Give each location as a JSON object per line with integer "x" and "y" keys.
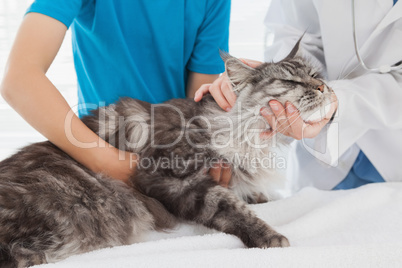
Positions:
{"x": 204, "y": 89}
{"x": 228, "y": 92}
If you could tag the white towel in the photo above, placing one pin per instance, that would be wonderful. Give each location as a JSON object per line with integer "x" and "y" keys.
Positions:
{"x": 354, "y": 228}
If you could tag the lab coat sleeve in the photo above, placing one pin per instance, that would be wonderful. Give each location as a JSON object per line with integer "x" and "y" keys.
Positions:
{"x": 370, "y": 101}
{"x": 367, "y": 102}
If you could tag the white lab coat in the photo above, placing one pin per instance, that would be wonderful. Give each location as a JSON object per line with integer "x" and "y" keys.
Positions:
{"x": 369, "y": 116}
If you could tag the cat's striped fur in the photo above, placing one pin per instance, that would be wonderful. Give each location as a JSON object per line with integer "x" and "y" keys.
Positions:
{"x": 52, "y": 207}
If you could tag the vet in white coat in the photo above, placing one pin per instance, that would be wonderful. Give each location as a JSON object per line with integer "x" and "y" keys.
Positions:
{"x": 369, "y": 116}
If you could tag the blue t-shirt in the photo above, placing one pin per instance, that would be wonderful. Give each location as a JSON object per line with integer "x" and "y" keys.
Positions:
{"x": 140, "y": 48}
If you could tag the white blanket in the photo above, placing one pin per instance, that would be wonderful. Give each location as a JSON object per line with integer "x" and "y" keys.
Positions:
{"x": 355, "y": 228}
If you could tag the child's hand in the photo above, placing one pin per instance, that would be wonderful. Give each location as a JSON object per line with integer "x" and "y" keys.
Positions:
{"x": 221, "y": 173}
{"x": 221, "y": 89}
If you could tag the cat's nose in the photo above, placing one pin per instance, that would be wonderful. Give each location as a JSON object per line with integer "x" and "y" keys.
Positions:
{"x": 321, "y": 88}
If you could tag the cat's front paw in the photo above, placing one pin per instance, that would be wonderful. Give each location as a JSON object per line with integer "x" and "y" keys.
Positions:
{"x": 276, "y": 241}
{"x": 271, "y": 240}
{"x": 257, "y": 198}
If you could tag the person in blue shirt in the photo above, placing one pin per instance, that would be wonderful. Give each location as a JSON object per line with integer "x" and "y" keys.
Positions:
{"x": 148, "y": 50}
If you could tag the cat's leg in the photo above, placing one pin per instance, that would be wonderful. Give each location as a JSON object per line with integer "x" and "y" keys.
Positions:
{"x": 203, "y": 201}
{"x": 225, "y": 212}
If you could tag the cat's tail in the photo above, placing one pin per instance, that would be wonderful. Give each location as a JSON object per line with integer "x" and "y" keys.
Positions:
{"x": 6, "y": 259}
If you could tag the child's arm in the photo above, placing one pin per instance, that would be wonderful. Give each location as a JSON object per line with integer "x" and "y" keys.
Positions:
{"x": 27, "y": 89}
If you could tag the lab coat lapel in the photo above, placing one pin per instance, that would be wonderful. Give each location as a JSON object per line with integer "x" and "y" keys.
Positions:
{"x": 394, "y": 14}
{"x": 336, "y": 34}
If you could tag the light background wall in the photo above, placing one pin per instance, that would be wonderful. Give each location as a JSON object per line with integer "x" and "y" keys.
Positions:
{"x": 246, "y": 41}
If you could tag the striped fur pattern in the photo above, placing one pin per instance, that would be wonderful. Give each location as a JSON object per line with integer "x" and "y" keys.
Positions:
{"x": 52, "y": 207}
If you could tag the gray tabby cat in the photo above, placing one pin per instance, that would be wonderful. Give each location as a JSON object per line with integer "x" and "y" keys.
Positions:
{"x": 52, "y": 207}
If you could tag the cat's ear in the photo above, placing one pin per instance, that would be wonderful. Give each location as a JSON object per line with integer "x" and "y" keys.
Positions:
{"x": 295, "y": 50}
{"x": 236, "y": 70}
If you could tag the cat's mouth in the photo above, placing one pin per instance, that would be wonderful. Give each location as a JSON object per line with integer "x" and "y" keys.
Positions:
{"x": 319, "y": 112}
{"x": 315, "y": 109}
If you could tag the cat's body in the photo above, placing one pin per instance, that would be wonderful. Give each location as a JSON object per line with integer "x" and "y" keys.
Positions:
{"x": 52, "y": 207}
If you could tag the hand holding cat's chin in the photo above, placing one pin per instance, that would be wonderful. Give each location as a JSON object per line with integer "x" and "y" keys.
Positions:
{"x": 289, "y": 122}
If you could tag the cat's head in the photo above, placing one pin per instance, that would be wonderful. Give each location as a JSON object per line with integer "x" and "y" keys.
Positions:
{"x": 293, "y": 79}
